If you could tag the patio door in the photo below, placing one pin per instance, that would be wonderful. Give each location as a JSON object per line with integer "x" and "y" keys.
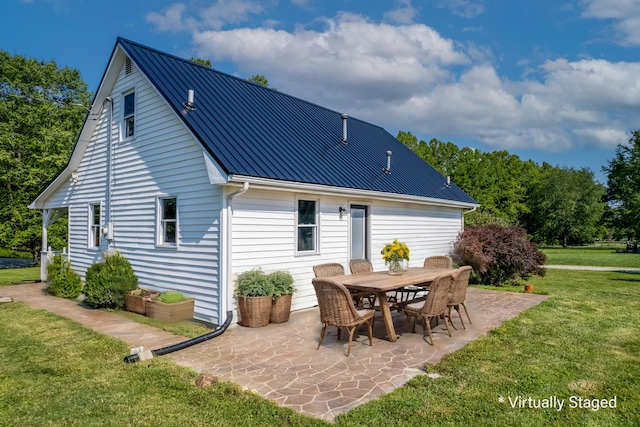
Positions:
{"x": 359, "y": 232}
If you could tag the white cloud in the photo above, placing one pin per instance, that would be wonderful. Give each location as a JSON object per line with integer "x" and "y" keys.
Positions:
{"x": 216, "y": 16}
{"x": 408, "y": 77}
{"x": 464, "y": 8}
{"x": 229, "y": 12}
{"x": 170, "y": 20}
{"x": 352, "y": 56}
{"x": 625, "y": 15}
{"x": 403, "y": 13}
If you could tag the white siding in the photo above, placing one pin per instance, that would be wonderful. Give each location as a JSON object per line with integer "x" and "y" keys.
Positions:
{"x": 264, "y": 234}
{"x": 162, "y": 160}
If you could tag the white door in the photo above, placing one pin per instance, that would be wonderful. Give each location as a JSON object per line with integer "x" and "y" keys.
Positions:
{"x": 359, "y": 232}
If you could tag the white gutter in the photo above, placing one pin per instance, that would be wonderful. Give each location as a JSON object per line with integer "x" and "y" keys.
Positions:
{"x": 469, "y": 211}
{"x": 226, "y": 276}
{"x": 268, "y": 184}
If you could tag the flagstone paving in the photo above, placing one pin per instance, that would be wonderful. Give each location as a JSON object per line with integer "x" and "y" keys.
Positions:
{"x": 280, "y": 361}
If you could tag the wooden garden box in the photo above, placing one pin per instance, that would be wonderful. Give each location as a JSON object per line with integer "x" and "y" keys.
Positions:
{"x": 173, "y": 312}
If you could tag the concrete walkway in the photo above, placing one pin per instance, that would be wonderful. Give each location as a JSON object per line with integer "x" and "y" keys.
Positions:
{"x": 280, "y": 361}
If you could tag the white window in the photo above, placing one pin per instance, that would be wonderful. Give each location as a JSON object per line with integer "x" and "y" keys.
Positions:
{"x": 168, "y": 226}
{"x": 129, "y": 114}
{"x": 307, "y": 226}
{"x": 94, "y": 221}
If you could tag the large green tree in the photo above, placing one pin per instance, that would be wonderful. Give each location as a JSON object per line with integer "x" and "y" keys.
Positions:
{"x": 566, "y": 206}
{"x": 499, "y": 181}
{"x": 42, "y": 107}
{"x": 623, "y": 182}
{"x": 260, "y": 80}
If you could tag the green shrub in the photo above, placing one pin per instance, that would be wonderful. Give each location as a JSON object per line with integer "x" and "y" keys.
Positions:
{"x": 499, "y": 254}
{"x": 62, "y": 281}
{"x": 109, "y": 281}
{"x": 253, "y": 283}
{"x": 282, "y": 282}
{"x": 171, "y": 296}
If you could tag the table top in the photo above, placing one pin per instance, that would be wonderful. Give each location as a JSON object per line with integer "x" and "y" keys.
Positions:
{"x": 382, "y": 281}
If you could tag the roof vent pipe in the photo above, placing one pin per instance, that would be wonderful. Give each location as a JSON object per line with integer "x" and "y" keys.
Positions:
{"x": 344, "y": 128}
{"x": 448, "y": 183}
{"x": 388, "y": 168}
{"x": 190, "y": 104}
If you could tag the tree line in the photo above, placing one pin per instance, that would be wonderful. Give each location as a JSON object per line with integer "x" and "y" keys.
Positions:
{"x": 556, "y": 205}
{"x": 43, "y": 106}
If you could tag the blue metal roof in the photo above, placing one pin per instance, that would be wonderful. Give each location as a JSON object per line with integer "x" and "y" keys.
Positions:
{"x": 259, "y": 132}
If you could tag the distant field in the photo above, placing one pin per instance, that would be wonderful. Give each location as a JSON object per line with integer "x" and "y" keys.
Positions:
{"x": 11, "y": 253}
{"x": 598, "y": 256}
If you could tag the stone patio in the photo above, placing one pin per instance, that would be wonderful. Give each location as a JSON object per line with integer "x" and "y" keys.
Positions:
{"x": 280, "y": 361}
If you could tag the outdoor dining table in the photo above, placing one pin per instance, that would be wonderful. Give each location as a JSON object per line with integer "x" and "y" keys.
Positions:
{"x": 381, "y": 282}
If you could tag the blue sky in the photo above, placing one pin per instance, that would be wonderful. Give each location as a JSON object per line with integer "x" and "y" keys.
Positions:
{"x": 548, "y": 80}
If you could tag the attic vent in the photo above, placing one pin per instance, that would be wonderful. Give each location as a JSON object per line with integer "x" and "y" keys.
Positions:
{"x": 128, "y": 66}
{"x": 388, "y": 168}
{"x": 344, "y": 127}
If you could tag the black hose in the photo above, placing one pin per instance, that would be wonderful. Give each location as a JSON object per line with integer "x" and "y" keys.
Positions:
{"x": 188, "y": 343}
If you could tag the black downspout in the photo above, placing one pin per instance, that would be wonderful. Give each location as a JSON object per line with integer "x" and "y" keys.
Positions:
{"x": 193, "y": 341}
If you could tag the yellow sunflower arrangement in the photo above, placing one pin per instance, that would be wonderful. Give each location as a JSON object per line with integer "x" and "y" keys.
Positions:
{"x": 393, "y": 253}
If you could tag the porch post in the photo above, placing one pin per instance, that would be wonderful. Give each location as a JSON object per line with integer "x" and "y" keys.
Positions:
{"x": 44, "y": 253}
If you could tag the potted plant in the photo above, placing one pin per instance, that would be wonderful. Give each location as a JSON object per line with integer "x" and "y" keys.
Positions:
{"x": 254, "y": 291}
{"x": 171, "y": 306}
{"x": 283, "y": 290}
{"x": 136, "y": 300}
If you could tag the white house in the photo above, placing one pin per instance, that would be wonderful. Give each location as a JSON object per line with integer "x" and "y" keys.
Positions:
{"x": 195, "y": 176}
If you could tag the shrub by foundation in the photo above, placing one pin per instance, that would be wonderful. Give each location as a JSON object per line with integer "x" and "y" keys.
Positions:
{"x": 109, "y": 281}
{"x": 62, "y": 281}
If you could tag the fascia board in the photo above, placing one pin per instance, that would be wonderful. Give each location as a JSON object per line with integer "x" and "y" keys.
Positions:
{"x": 269, "y": 184}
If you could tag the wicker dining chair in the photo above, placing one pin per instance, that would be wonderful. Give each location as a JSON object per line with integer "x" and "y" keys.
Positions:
{"x": 434, "y": 306}
{"x": 336, "y": 269}
{"x": 360, "y": 266}
{"x": 336, "y": 309}
{"x": 438, "y": 261}
{"x": 328, "y": 270}
{"x": 458, "y": 293}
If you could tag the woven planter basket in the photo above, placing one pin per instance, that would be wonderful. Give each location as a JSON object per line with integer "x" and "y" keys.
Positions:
{"x": 281, "y": 309}
{"x": 254, "y": 311}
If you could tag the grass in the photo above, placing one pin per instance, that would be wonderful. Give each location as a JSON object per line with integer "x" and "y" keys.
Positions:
{"x": 10, "y": 275}
{"x": 583, "y": 341}
{"x": 600, "y": 256}
{"x": 56, "y": 372}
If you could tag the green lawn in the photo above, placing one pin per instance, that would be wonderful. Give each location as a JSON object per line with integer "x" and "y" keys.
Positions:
{"x": 583, "y": 341}
{"x": 600, "y": 256}
{"x": 11, "y": 275}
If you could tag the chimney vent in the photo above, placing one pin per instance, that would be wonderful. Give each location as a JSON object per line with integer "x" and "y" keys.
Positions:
{"x": 388, "y": 168}
{"x": 344, "y": 128}
{"x": 190, "y": 104}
